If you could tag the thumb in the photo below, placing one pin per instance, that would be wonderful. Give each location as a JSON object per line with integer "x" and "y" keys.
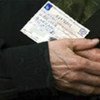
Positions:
{"x": 83, "y": 44}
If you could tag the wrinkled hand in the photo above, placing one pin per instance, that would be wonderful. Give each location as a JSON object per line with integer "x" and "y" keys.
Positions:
{"x": 75, "y": 71}
{"x": 92, "y": 54}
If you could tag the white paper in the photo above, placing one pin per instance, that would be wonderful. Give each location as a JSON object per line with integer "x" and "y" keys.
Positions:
{"x": 51, "y": 23}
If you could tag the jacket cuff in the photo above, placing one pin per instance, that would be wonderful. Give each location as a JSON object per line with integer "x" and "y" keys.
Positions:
{"x": 29, "y": 67}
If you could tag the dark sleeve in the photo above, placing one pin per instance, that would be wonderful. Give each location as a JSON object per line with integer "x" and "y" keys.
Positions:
{"x": 93, "y": 24}
{"x": 25, "y": 68}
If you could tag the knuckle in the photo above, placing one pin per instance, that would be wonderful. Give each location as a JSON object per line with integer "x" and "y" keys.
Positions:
{"x": 84, "y": 63}
{"x": 97, "y": 81}
{"x": 76, "y": 61}
{"x": 76, "y": 64}
{"x": 79, "y": 64}
{"x": 74, "y": 77}
{"x": 89, "y": 91}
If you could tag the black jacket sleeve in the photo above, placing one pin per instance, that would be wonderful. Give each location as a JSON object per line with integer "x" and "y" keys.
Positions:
{"x": 24, "y": 65}
{"x": 24, "y": 68}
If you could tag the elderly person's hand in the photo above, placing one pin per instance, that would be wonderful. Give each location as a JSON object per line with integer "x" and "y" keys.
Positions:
{"x": 76, "y": 65}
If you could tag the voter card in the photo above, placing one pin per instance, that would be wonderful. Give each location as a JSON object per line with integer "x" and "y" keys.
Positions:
{"x": 51, "y": 23}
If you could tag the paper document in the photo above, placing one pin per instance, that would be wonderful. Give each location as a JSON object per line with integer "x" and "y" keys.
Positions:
{"x": 51, "y": 23}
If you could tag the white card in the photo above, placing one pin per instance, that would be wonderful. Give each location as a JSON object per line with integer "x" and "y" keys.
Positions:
{"x": 51, "y": 23}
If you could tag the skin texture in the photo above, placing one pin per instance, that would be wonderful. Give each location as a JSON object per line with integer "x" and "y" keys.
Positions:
{"x": 76, "y": 65}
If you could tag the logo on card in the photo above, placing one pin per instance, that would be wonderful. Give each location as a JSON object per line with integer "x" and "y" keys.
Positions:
{"x": 82, "y": 32}
{"x": 48, "y": 6}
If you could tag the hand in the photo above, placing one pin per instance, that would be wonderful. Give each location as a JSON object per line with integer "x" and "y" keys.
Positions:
{"x": 74, "y": 73}
{"x": 92, "y": 54}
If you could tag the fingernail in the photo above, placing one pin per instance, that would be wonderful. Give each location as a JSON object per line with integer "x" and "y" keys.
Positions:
{"x": 95, "y": 40}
